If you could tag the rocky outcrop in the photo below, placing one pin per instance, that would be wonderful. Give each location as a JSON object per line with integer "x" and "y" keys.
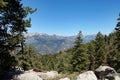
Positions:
{"x": 52, "y": 74}
{"x": 89, "y": 75}
{"x": 48, "y": 75}
{"x": 65, "y": 78}
{"x": 32, "y": 75}
{"x": 106, "y": 72}
{"x": 114, "y": 76}
{"x": 27, "y": 76}
{"x": 101, "y": 73}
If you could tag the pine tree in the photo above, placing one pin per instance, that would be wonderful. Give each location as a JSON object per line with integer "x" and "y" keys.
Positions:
{"x": 117, "y": 44}
{"x": 78, "y": 40}
{"x": 27, "y": 61}
{"x": 13, "y": 24}
{"x": 117, "y": 28}
{"x": 100, "y": 50}
{"x": 80, "y": 57}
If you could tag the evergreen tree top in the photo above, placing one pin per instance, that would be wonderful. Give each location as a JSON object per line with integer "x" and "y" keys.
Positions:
{"x": 119, "y": 18}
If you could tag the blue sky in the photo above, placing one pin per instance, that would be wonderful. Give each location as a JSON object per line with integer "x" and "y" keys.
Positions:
{"x": 68, "y": 17}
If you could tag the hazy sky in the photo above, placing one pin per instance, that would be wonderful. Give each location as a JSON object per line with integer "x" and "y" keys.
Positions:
{"x": 68, "y": 17}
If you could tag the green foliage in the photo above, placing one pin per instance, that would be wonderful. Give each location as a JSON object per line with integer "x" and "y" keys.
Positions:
{"x": 6, "y": 60}
{"x": 100, "y": 50}
{"x": 91, "y": 54}
{"x": 13, "y": 24}
{"x": 80, "y": 57}
{"x": 78, "y": 41}
{"x": 116, "y": 57}
{"x": 117, "y": 28}
{"x": 27, "y": 59}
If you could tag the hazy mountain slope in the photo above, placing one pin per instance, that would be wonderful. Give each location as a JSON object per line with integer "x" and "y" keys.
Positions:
{"x": 45, "y": 43}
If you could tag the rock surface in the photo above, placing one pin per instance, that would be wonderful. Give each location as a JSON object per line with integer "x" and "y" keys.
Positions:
{"x": 104, "y": 68}
{"x": 28, "y": 76}
{"x": 52, "y": 74}
{"x": 106, "y": 72}
{"x": 101, "y": 73}
{"x": 47, "y": 75}
{"x": 65, "y": 78}
{"x": 89, "y": 75}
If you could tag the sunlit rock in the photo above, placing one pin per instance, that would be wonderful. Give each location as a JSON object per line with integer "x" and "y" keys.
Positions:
{"x": 89, "y": 75}
{"x": 47, "y": 75}
{"x": 106, "y": 72}
{"x": 65, "y": 78}
{"x": 28, "y": 76}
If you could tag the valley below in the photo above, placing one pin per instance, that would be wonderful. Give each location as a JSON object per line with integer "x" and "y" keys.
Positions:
{"x": 46, "y": 44}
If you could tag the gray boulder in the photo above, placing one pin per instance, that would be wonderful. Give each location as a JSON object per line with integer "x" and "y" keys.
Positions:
{"x": 89, "y": 75}
{"x": 48, "y": 74}
{"x": 114, "y": 76}
{"x": 106, "y": 73}
{"x": 28, "y": 76}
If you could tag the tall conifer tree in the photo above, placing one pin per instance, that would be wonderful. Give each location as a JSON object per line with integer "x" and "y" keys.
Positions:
{"x": 100, "y": 50}
{"x": 117, "y": 28}
{"x": 13, "y": 24}
{"x": 80, "y": 58}
{"x": 117, "y": 44}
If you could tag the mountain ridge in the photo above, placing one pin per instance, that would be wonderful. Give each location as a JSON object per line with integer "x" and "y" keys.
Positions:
{"x": 45, "y": 43}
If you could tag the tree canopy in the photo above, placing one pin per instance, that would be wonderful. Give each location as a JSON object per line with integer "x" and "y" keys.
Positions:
{"x": 13, "y": 24}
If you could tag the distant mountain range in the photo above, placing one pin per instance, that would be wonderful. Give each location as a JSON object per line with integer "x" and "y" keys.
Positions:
{"x": 46, "y": 44}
